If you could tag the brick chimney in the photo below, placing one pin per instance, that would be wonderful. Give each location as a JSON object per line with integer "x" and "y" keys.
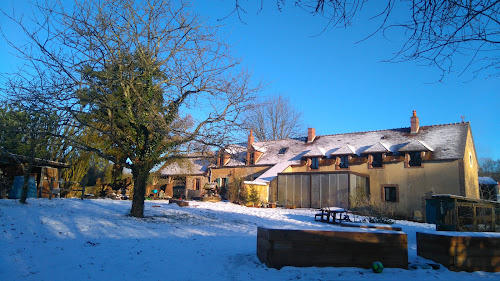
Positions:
{"x": 311, "y": 134}
{"x": 251, "y": 140}
{"x": 414, "y": 123}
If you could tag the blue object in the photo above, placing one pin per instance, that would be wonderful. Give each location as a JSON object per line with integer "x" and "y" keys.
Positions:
{"x": 17, "y": 188}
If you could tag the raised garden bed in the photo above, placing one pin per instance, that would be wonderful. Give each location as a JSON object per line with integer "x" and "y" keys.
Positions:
{"x": 461, "y": 251}
{"x": 279, "y": 247}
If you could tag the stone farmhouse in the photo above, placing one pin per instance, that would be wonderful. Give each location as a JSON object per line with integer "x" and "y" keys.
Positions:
{"x": 401, "y": 167}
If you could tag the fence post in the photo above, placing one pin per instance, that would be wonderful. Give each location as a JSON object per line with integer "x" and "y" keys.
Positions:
{"x": 51, "y": 188}
{"x": 83, "y": 192}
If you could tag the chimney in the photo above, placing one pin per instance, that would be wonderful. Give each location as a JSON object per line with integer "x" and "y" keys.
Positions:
{"x": 250, "y": 140}
{"x": 311, "y": 134}
{"x": 414, "y": 123}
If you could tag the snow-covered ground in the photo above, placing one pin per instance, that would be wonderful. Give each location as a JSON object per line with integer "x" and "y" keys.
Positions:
{"x": 70, "y": 239}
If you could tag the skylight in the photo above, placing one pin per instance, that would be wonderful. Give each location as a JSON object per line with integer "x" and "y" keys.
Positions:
{"x": 282, "y": 150}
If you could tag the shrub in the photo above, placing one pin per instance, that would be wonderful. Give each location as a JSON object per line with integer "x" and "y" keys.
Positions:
{"x": 377, "y": 212}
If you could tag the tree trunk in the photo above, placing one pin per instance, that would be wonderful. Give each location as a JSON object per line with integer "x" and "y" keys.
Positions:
{"x": 140, "y": 171}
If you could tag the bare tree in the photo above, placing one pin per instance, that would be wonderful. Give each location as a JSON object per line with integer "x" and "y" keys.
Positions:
{"x": 131, "y": 71}
{"x": 489, "y": 168}
{"x": 274, "y": 119}
{"x": 436, "y": 32}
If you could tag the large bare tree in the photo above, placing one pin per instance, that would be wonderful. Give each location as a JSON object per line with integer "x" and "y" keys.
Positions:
{"x": 436, "y": 32}
{"x": 274, "y": 119}
{"x": 131, "y": 72}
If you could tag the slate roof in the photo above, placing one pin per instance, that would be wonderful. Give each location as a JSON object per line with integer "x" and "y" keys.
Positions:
{"x": 415, "y": 145}
{"x": 344, "y": 150}
{"x": 377, "y": 148}
{"x": 447, "y": 142}
{"x": 188, "y": 166}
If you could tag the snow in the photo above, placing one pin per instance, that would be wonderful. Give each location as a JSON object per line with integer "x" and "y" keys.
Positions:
{"x": 73, "y": 239}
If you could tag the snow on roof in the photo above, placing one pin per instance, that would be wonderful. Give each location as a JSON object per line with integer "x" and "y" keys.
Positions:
{"x": 188, "y": 166}
{"x": 415, "y": 145}
{"x": 344, "y": 150}
{"x": 487, "y": 181}
{"x": 315, "y": 152}
{"x": 377, "y": 148}
{"x": 272, "y": 173}
{"x": 447, "y": 142}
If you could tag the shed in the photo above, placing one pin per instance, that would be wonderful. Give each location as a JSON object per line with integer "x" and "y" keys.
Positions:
{"x": 457, "y": 213}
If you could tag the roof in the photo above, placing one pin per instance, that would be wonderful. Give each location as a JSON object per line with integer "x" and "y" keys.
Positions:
{"x": 415, "y": 145}
{"x": 344, "y": 150}
{"x": 487, "y": 181}
{"x": 8, "y": 160}
{"x": 447, "y": 142}
{"x": 377, "y": 148}
{"x": 187, "y": 166}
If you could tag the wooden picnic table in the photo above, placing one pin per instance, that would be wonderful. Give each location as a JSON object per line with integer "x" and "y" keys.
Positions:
{"x": 337, "y": 214}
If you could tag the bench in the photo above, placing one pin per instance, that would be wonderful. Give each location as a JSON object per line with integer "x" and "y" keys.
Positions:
{"x": 338, "y": 215}
{"x": 369, "y": 225}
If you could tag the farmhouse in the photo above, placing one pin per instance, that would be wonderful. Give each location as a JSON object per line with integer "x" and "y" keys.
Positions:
{"x": 400, "y": 167}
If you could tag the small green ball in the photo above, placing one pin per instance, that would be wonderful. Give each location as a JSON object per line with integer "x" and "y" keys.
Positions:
{"x": 377, "y": 267}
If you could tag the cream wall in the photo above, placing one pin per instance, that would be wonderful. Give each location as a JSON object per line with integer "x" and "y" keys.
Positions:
{"x": 471, "y": 168}
{"x": 414, "y": 184}
{"x": 238, "y": 172}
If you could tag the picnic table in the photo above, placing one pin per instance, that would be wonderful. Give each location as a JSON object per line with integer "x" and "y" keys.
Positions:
{"x": 338, "y": 215}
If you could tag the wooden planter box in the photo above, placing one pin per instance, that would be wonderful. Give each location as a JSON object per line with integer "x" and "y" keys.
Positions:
{"x": 277, "y": 248}
{"x": 461, "y": 252}
{"x": 179, "y": 202}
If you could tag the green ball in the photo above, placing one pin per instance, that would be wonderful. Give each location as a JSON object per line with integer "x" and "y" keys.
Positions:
{"x": 377, "y": 267}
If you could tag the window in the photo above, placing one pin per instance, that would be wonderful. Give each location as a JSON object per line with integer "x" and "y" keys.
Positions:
{"x": 415, "y": 159}
{"x": 344, "y": 162}
{"x": 221, "y": 159}
{"x": 315, "y": 163}
{"x": 282, "y": 150}
{"x": 197, "y": 184}
{"x": 390, "y": 194}
{"x": 251, "y": 160}
{"x": 376, "y": 160}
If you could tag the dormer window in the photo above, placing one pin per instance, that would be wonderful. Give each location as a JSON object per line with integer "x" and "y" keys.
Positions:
{"x": 376, "y": 160}
{"x": 251, "y": 159}
{"x": 282, "y": 150}
{"x": 344, "y": 162}
{"x": 221, "y": 159}
{"x": 415, "y": 159}
{"x": 314, "y": 163}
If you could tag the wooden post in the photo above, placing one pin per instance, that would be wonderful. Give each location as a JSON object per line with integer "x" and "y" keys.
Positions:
{"x": 474, "y": 214}
{"x": 51, "y": 188}
{"x": 493, "y": 226}
{"x": 83, "y": 192}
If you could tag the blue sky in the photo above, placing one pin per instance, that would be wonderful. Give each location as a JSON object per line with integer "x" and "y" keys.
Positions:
{"x": 341, "y": 86}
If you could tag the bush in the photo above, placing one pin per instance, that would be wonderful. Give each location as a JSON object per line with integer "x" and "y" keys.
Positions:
{"x": 253, "y": 196}
{"x": 377, "y": 212}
